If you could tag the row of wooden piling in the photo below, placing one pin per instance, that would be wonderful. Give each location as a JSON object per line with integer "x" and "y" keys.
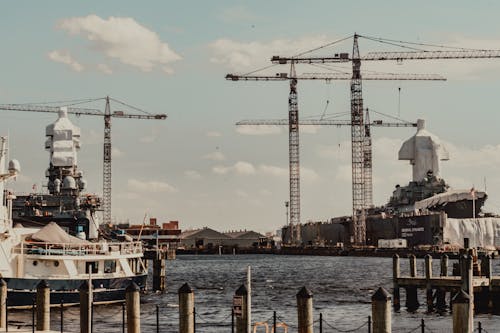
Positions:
{"x": 470, "y": 275}
{"x": 42, "y": 305}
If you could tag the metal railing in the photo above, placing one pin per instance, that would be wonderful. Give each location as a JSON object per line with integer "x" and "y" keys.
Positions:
{"x": 72, "y": 249}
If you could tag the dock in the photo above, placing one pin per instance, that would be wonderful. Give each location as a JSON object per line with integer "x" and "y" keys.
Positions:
{"x": 470, "y": 274}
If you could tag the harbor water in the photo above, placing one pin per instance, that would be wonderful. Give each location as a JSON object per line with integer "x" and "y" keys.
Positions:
{"x": 342, "y": 288}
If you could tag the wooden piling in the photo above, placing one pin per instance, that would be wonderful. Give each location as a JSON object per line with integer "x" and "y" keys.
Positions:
{"x": 85, "y": 308}
{"x": 412, "y": 303}
{"x": 441, "y": 292}
{"x": 462, "y": 318}
{"x": 242, "y": 322}
{"x": 396, "y": 272}
{"x": 43, "y": 306}
{"x": 3, "y": 303}
{"x": 381, "y": 311}
{"x": 428, "y": 286}
{"x": 159, "y": 273}
{"x": 133, "y": 305}
{"x": 186, "y": 309}
{"x": 305, "y": 310}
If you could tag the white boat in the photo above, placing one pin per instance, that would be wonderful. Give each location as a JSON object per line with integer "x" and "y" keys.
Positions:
{"x": 29, "y": 255}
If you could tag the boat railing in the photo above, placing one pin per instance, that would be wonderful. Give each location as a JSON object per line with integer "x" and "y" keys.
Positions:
{"x": 84, "y": 249}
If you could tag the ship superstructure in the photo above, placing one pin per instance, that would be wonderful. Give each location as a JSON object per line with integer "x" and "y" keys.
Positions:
{"x": 65, "y": 203}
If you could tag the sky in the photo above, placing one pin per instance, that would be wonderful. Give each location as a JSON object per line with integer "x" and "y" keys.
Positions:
{"x": 196, "y": 166}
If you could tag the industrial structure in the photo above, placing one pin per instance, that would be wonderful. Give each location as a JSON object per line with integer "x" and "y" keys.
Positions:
{"x": 107, "y": 115}
{"x": 360, "y": 136}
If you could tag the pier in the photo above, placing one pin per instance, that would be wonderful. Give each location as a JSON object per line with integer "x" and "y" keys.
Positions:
{"x": 470, "y": 274}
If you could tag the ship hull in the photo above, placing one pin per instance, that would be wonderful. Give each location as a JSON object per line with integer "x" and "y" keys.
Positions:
{"x": 22, "y": 292}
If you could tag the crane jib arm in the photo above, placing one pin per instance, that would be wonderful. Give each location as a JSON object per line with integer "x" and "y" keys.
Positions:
{"x": 466, "y": 54}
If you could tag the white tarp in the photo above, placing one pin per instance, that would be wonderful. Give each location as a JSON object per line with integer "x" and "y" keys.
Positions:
{"x": 53, "y": 233}
{"x": 482, "y": 232}
{"x": 448, "y": 196}
{"x": 63, "y": 141}
{"x": 424, "y": 151}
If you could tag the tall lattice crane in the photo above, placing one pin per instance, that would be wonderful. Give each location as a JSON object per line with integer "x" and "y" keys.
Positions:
{"x": 359, "y": 172}
{"x": 293, "y": 122}
{"x": 107, "y": 115}
{"x": 332, "y": 122}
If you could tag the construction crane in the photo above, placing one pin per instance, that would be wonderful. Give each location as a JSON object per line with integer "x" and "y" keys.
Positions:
{"x": 293, "y": 122}
{"x": 367, "y": 156}
{"x": 361, "y": 177}
{"x": 107, "y": 115}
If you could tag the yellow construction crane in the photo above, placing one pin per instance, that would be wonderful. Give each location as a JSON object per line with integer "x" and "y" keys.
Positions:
{"x": 107, "y": 115}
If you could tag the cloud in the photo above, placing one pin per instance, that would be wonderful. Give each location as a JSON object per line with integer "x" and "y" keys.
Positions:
{"x": 247, "y": 55}
{"x": 258, "y": 129}
{"x": 150, "y": 186}
{"x": 115, "y": 152}
{"x": 273, "y": 170}
{"x": 214, "y": 134}
{"x": 192, "y": 174}
{"x": 104, "y": 69}
{"x": 241, "y": 168}
{"x": 64, "y": 57}
{"x": 122, "y": 39}
{"x": 215, "y": 156}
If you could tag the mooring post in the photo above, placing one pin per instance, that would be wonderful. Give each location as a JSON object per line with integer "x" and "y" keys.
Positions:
{"x": 428, "y": 286}
{"x": 85, "y": 308}
{"x": 462, "y": 316}
{"x": 157, "y": 318}
{"x": 396, "y": 272}
{"x": 61, "y": 310}
{"x": 441, "y": 292}
{"x": 43, "y": 306}
{"x": 381, "y": 311}
{"x": 412, "y": 303}
{"x": 3, "y": 303}
{"x": 159, "y": 272}
{"x": 133, "y": 304}
{"x": 305, "y": 310}
{"x": 240, "y": 302}
{"x": 186, "y": 309}
{"x": 488, "y": 272}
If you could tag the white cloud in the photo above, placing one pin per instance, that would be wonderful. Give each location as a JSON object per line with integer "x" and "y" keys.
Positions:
{"x": 248, "y": 55}
{"x": 64, "y": 57}
{"x": 192, "y": 174}
{"x": 240, "y": 167}
{"x": 150, "y": 186}
{"x": 123, "y": 39}
{"x": 104, "y": 69}
{"x": 273, "y": 170}
{"x": 258, "y": 129}
{"x": 244, "y": 168}
{"x": 215, "y": 156}
{"x": 214, "y": 134}
{"x": 115, "y": 152}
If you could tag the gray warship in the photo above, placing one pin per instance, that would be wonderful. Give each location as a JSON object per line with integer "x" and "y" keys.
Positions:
{"x": 426, "y": 213}
{"x": 64, "y": 202}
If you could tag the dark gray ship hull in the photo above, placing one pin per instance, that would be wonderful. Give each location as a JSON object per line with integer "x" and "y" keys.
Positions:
{"x": 22, "y": 292}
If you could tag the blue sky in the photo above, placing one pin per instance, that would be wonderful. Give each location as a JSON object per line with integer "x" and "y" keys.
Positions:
{"x": 197, "y": 167}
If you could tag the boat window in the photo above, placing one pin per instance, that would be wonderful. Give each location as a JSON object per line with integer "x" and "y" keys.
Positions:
{"x": 91, "y": 267}
{"x": 109, "y": 266}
